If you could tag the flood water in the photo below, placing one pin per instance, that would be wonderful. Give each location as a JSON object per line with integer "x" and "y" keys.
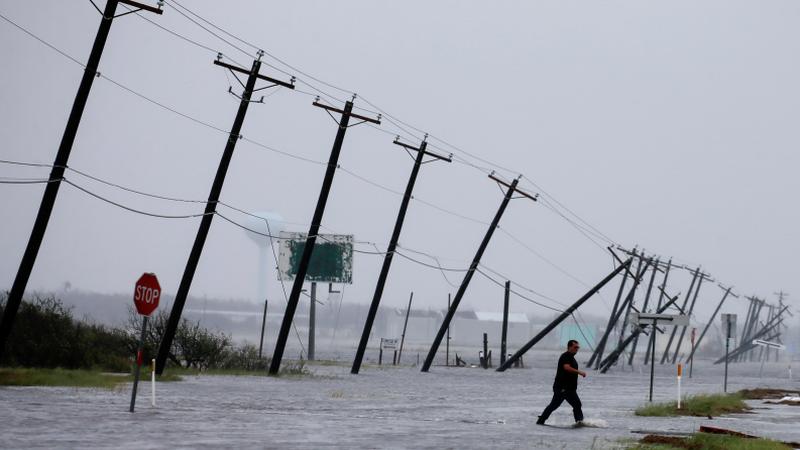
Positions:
{"x": 382, "y": 407}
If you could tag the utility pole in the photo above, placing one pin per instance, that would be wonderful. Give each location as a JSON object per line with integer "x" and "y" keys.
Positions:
{"x": 644, "y": 310}
{"x": 512, "y": 189}
{"x": 387, "y": 259}
{"x": 598, "y": 352}
{"x": 60, "y": 165}
{"x": 213, "y": 197}
{"x": 504, "y": 335}
{"x": 662, "y": 288}
{"x": 568, "y": 312}
{"x": 640, "y": 272}
{"x": 316, "y": 222}
{"x": 405, "y": 325}
{"x": 711, "y": 320}
{"x": 703, "y": 276}
{"x": 683, "y": 308}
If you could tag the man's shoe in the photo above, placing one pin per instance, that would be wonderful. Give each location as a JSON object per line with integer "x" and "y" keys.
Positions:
{"x": 579, "y": 423}
{"x": 539, "y": 421}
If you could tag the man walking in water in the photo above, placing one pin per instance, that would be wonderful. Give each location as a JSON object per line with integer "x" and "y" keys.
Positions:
{"x": 565, "y": 386}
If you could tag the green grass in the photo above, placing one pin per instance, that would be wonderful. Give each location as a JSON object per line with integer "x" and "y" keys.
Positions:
{"x": 703, "y": 441}
{"x": 698, "y": 405}
{"x": 70, "y": 378}
{"x": 61, "y": 377}
{"x": 289, "y": 369}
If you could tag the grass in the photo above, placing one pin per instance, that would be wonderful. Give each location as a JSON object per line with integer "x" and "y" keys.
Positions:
{"x": 704, "y": 405}
{"x": 69, "y": 378}
{"x": 61, "y": 377}
{"x": 703, "y": 441}
{"x": 289, "y": 369}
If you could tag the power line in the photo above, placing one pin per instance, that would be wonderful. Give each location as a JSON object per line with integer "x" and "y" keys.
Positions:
{"x": 208, "y": 125}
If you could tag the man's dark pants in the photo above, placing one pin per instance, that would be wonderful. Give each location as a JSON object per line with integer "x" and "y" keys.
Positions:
{"x": 559, "y": 395}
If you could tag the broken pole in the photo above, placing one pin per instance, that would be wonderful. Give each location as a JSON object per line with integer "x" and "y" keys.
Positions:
{"x": 316, "y": 222}
{"x": 387, "y": 258}
{"x": 462, "y": 289}
{"x": 568, "y": 312}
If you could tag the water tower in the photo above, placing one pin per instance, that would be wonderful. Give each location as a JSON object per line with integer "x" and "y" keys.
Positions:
{"x": 268, "y": 223}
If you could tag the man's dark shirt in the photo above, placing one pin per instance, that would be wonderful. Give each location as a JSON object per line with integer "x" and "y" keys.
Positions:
{"x": 564, "y": 379}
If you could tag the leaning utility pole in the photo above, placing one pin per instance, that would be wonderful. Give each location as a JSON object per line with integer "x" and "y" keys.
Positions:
{"x": 512, "y": 189}
{"x": 316, "y": 222}
{"x": 60, "y": 165}
{"x": 710, "y": 321}
{"x": 648, "y": 357}
{"x": 640, "y": 272}
{"x": 612, "y": 357}
{"x": 213, "y": 198}
{"x": 567, "y": 312}
{"x": 703, "y": 276}
{"x": 683, "y": 308}
{"x": 387, "y": 259}
{"x": 598, "y": 351}
{"x": 644, "y": 310}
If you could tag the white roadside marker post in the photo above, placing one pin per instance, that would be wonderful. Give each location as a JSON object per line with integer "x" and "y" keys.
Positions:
{"x": 680, "y": 369}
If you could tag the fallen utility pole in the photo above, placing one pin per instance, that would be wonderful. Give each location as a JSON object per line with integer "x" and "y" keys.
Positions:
{"x": 748, "y": 344}
{"x": 422, "y": 152}
{"x": 213, "y": 198}
{"x": 462, "y": 289}
{"x": 316, "y": 222}
{"x": 710, "y": 321}
{"x": 405, "y": 326}
{"x": 612, "y": 319}
{"x": 683, "y": 308}
{"x": 703, "y": 277}
{"x": 614, "y": 356}
{"x": 568, "y": 312}
{"x": 59, "y": 167}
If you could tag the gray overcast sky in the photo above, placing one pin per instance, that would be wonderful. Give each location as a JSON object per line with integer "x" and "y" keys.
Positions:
{"x": 671, "y": 125}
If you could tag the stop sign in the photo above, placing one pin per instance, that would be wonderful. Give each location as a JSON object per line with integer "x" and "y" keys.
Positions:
{"x": 147, "y": 293}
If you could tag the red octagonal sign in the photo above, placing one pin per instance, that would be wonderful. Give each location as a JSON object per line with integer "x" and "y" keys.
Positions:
{"x": 147, "y": 294}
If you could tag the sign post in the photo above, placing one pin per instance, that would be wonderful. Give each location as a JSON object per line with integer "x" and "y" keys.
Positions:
{"x": 653, "y": 320}
{"x": 729, "y": 325}
{"x": 691, "y": 359}
{"x": 145, "y": 298}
